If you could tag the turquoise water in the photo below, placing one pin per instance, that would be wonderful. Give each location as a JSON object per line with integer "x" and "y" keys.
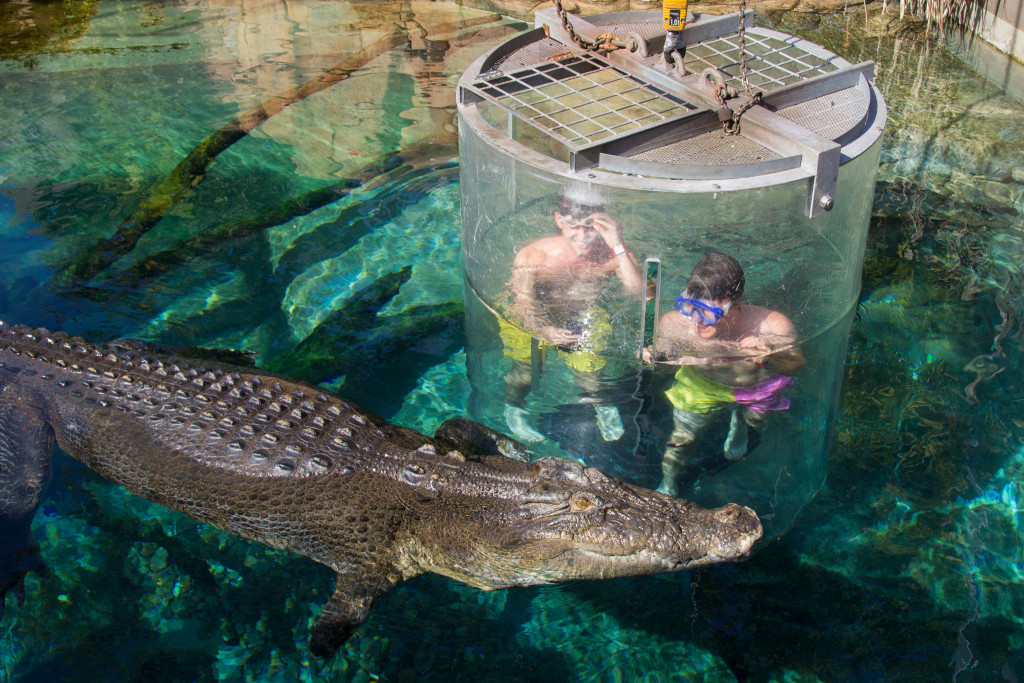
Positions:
{"x": 906, "y": 566}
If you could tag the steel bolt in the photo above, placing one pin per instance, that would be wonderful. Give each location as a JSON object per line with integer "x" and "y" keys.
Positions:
{"x": 826, "y": 202}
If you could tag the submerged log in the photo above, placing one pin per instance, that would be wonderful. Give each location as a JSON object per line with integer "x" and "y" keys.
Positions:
{"x": 414, "y": 157}
{"x": 311, "y": 357}
{"x": 325, "y": 356}
{"x": 267, "y": 279}
{"x": 354, "y": 337}
{"x": 192, "y": 168}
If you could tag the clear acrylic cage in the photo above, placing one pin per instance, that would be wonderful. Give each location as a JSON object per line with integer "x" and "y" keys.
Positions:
{"x": 789, "y": 197}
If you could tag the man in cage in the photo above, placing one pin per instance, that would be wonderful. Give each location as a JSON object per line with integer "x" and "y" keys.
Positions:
{"x": 555, "y": 285}
{"x": 731, "y": 356}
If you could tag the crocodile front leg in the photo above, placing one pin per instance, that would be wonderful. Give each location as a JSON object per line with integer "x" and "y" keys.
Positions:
{"x": 349, "y": 605}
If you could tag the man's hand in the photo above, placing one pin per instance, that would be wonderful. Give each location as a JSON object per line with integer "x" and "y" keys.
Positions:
{"x": 608, "y": 227}
{"x": 763, "y": 350}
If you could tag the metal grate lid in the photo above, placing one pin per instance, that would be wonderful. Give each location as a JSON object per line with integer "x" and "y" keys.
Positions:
{"x": 832, "y": 116}
{"x": 772, "y": 60}
{"x": 632, "y": 111}
{"x": 710, "y": 149}
{"x": 578, "y": 98}
{"x": 531, "y": 54}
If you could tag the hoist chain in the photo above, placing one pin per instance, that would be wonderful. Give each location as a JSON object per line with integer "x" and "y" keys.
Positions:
{"x": 730, "y": 118}
{"x": 743, "y": 47}
{"x": 605, "y": 41}
{"x": 731, "y": 123}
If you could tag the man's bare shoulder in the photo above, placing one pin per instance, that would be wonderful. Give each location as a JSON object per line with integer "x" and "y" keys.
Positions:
{"x": 541, "y": 251}
{"x": 765, "y": 321}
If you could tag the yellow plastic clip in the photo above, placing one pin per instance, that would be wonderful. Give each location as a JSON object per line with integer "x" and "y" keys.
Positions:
{"x": 673, "y": 14}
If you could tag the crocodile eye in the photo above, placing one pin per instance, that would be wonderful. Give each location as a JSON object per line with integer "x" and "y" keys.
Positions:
{"x": 583, "y": 503}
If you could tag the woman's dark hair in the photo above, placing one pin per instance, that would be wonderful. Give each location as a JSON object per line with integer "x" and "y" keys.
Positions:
{"x": 718, "y": 277}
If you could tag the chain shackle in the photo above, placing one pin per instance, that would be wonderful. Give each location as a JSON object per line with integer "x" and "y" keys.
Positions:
{"x": 605, "y": 41}
{"x": 731, "y": 125}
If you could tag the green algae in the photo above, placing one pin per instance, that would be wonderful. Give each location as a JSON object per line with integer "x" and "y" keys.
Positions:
{"x": 29, "y": 28}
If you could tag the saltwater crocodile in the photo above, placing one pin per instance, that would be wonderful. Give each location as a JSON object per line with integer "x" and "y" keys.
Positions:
{"x": 291, "y": 466}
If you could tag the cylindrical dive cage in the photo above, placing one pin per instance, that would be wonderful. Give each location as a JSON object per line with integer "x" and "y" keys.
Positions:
{"x": 787, "y": 192}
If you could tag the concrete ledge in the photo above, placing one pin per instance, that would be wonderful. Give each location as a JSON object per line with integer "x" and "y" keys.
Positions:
{"x": 997, "y": 67}
{"x": 1002, "y": 32}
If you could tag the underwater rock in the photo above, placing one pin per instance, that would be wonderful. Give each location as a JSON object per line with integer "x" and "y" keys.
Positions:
{"x": 285, "y": 464}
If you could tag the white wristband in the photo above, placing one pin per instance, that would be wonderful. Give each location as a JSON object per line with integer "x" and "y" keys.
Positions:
{"x": 619, "y": 250}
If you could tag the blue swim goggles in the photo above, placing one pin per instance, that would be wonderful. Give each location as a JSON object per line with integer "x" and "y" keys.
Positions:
{"x": 709, "y": 315}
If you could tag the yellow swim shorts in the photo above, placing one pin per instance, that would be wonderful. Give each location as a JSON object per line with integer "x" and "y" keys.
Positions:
{"x": 695, "y": 393}
{"x": 585, "y": 358}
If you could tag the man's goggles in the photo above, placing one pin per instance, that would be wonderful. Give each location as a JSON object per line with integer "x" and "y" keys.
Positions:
{"x": 578, "y": 212}
{"x": 709, "y": 315}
